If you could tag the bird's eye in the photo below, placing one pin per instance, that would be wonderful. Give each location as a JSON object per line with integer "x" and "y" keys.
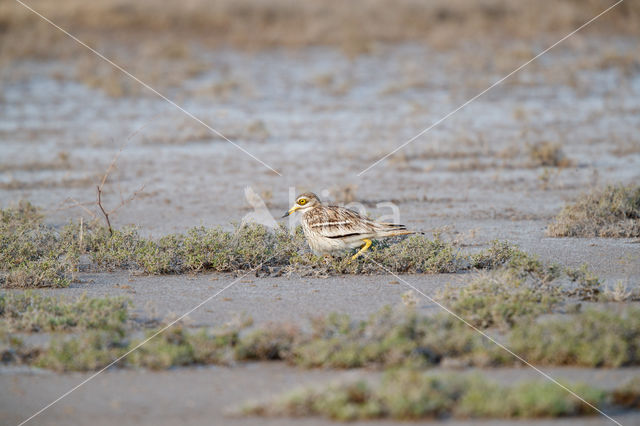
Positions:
{"x": 302, "y": 201}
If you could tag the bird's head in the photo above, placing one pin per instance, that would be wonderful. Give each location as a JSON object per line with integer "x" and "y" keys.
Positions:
{"x": 305, "y": 201}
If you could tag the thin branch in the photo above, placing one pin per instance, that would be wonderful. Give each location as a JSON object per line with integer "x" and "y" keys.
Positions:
{"x": 114, "y": 160}
{"x": 126, "y": 201}
{"x": 99, "y": 188}
{"x": 106, "y": 215}
{"x": 77, "y": 204}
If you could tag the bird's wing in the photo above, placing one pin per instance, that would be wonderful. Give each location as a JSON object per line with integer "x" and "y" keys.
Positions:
{"x": 339, "y": 222}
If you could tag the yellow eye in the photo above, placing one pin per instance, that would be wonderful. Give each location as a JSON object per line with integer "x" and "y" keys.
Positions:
{"x": 302, "y": 201}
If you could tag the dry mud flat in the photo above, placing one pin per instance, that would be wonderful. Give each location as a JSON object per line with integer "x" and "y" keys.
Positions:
{"x": 58, "y": 135}
{"x": 205, "y": 395}
{"x": 318, "y": 117}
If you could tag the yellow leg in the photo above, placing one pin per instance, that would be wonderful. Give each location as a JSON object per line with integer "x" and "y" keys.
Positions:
{"x": 365, "y": 247}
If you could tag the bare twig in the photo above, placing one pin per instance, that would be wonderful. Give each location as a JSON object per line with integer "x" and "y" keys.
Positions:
{"x": 123, "y": 202}
{"x": 126, "y": 201}
{"x": 106, "y": 215}
{"x": 103, "y": 181}
{"x": 124, "y": 145}
{"x": 112, "y": 165}
{"x": 77, "y": 204}
{"x": 81, "y": 239}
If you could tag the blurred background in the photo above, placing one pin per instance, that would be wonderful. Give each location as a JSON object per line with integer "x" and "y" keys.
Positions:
{"x": 318, "y": 90}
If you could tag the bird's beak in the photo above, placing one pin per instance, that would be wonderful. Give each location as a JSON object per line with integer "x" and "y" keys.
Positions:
{"x": 291, "y": 210}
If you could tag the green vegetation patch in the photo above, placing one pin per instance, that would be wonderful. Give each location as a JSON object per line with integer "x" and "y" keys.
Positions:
{"x": 31, "y": 312}
{"x": 587, "y": 284}
{"x": 36, "y": 255}
{"x": 411, "y": 395}
{"x": 610, "y": 212}
{"x": 177, "y": 347}
{"x": 13, "y": 350}
{"x": 499, "y": 299}
{"x": 92, "y": 350}
{"x": 413, "y": 254}
{"x": 502, "y": 255}
{"x": 628, "y": 395}
{"x": 33, "y": 254}
{"x": 527, "y": 400}
{"x": 173, "y": 347}
{"x": 390, "y": 338}
{"x": 273, "y": 342}
{"x": 200, "y": 249}
{"x": 593, "y": 338}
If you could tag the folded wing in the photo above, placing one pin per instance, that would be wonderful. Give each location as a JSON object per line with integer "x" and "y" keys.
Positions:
{"x": 339, "y": 222}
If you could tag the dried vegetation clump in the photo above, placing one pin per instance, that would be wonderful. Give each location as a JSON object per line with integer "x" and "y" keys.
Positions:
{"x": 390, "y": 338}
{"x": 500, "y": 299}
{"x": 548, "y": 154}
{"x": 37, "y": 255}
{"x": 592, "y": 338}
{"x": 174, "y": 347}
{"x": 588, "y": 285}
{"x": 412, "y": 395}
{"x": 171, "y": 37}
{"x": 252, "y": 24}
{"x": 628, "y": 395}
{"x": 612, "y": 212}
{"x": 31, "y": 312}
{"x": 502, "y": 255}
{"x": 31, "y": 253}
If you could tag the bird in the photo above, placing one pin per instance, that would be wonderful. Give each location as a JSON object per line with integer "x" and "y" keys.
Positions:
{"x": 333, "y": 228}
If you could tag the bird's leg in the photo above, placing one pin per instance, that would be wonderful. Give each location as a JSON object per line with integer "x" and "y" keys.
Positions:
{"x": 365, "y": 247}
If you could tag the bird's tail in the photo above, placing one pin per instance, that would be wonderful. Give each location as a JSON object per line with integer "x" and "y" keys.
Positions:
{"x": 393, "y": 233}
{"x": 394, "y": 229}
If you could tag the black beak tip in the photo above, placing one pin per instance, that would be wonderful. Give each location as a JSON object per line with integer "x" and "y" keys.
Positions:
{"x": 285, "y": 215}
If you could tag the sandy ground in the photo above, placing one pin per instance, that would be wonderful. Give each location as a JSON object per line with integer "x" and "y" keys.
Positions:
{"x": 285, "y": 108}
{"x": 210, "y": 395}
{"x": 319, "y": 118}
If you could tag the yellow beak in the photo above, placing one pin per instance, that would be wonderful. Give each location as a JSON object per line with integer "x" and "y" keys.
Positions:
{"x": 291, "y": 210}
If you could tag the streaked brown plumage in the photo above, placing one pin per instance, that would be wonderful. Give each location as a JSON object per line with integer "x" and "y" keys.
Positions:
{"x": 333, "y": 228}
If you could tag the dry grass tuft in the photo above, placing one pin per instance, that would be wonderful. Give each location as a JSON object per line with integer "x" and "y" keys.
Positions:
{"x": 30, "y": 312}
{"x": 500, "y": 299}
{"x": 591, "y": 339}
{"x": 32, "y": 254}
{"x": 612, "y": 212}
{"x": 353, "y": 26}
{"x": 628, "y": 395}
{"x": 548, "y": 154}
{"x": 588, "y": 285}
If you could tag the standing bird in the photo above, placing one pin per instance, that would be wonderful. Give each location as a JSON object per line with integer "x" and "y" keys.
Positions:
{"x": 332, "y": 228}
